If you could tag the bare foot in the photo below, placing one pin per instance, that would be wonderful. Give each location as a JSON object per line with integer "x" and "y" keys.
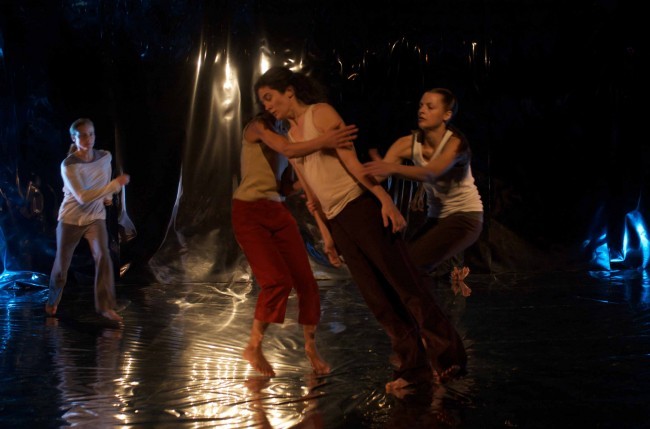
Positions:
{"x": 399, "y": 387}
{"x": 317, "y": 363}
{"x": 50, "y": 310}
{"x": 112, "y": 315}
{"x": 256, "y": 358}
{"x": 459, "y": 274}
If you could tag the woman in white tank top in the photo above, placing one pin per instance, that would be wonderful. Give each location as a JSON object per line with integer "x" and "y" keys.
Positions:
{"x": 441, "y": 157}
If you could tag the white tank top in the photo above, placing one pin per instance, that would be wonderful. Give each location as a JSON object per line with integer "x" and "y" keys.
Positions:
{"x": 445, "y": 197}
{"x": 325, "y": 174}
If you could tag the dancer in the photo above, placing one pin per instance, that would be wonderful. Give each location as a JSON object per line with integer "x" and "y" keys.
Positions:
{"x": 365, "y": 225}
{"x": 87, "y": 188}
{"x": 441, "y": 159}
{"x": 269, "y": 236}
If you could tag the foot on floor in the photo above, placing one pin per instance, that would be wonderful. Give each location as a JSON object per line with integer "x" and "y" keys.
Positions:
{"x": 398, "y": 386}
{"x": 50, "y": 310}
{"x": 112, "y": 315}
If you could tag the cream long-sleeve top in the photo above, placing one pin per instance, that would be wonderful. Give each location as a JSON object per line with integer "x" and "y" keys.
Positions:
{"x": 85, "y": 186}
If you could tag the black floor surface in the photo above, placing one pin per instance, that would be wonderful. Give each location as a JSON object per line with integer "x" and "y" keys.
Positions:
{"x": 553, "y": 350}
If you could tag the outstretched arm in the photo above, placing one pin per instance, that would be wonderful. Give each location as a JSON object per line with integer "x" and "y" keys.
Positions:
{"x": 392, "y": 163}
{"x": 339, "y": 136}
{"x": 382, "y": 168}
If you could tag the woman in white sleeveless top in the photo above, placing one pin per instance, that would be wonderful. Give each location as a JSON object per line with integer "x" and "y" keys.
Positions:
{"x": 441, "y": 159}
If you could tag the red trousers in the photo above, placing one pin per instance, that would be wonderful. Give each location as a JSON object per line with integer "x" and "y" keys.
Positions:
{"x": 269, "y": 236}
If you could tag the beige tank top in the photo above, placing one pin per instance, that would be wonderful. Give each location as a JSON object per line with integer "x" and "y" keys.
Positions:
{"x": 258, "y": 180}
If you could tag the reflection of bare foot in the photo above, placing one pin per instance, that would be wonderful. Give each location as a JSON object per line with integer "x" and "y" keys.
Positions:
{"x": 317, "y": 363}
{"x": 50, "y": 310}
{"x": 256, "y": 358}
{"x": 464, "y": 289}
{"x": 451, "y": 373}
{"x": 461, "y": 287}
{"x": 51, "y": 321}
{"x": 113, "y": 334}
{"x": 112, "y": 315}
{"x": 255, "y": 385}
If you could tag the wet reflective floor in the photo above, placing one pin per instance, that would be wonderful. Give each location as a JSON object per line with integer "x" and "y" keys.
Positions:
{"x": 545, "y": 351}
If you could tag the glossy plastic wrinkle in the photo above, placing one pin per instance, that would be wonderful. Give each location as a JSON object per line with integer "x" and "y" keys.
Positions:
{"x": 551, "y": 350}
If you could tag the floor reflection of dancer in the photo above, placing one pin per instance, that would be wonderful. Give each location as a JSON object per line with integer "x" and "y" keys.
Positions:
{"x": 426, "y": 409}
{"x": 87, "y": 189}
{"x": 311, "y": 416}
{"x": 89, "y": 380}
{"x": 365, "y": 224}
{"x": 269, "y": 236}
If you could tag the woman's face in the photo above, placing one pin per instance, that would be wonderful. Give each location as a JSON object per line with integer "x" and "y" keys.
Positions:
{"x": 275, "y": 102}
{"x": 84, "y": 137}
{"x": 432, "y": 112}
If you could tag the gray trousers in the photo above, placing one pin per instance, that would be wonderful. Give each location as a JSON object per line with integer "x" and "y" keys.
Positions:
{"x": 67, "y": 240}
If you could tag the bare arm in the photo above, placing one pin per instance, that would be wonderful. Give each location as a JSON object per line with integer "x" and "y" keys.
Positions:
{"x": 380, "y": 167}
{"x": 319, "y": 216}
{"x": 340, "y": 136}
{"x": 400, "y": 151}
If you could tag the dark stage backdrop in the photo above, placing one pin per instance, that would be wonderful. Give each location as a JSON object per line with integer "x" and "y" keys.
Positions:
{"x": 552, "y": 97}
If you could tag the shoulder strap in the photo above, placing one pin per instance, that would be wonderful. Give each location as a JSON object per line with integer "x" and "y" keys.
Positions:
{"x": 443, "y": 142}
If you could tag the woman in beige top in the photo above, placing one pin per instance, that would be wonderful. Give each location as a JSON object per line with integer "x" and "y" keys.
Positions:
{"x": 269, "y": 236}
